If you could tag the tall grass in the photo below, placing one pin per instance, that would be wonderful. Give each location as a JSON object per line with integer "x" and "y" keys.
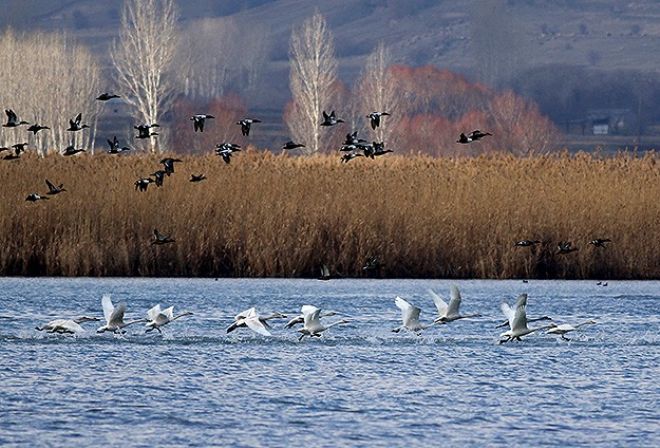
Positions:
{"x": 268, "y": 215}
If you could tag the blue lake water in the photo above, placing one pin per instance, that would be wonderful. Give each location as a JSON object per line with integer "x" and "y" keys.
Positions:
{"x": 357, "y": 385}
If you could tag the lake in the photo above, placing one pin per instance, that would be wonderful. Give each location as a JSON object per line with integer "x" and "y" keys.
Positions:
{"x": 357, "y": 385}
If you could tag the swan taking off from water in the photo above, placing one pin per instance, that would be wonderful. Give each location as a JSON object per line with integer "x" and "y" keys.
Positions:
{"x": 157, "y": 318}
{"x": 409, "y": 315}
{"x": 517, "y": 321}
{"x": 300, "y": 319}
{"x": 254, "y": 321}
{"x": 114, "y": 316}
{"x": 567, "y": 328}
{"x": 312, "y": 325}
{"x": 67, "y": 326}
{"x": 522, "y": 301}
{"x": 449, "y": 313}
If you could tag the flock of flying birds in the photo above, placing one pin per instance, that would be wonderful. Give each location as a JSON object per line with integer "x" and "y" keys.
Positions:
{"x": 311, "y": 319}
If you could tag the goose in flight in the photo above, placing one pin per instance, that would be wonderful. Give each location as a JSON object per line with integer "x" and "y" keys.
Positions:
{"x": 114, "y": 316}
{"x": 199, "y": 120}
{"x": 477, "y": 135}
{"x": 526, "y": 243}
{"x": 19, "y": 148}
{"x": 600, "y": 242}
{"x": 34, "y": 197}
{"x": 565, "y": 247}
{"x": 71, "y": 150}
{"x": 300, "y": 319}
{"x": 372, "y": 264}
{"x": 252, "y": 320}
{"x": 53, "y": 189}
{"x": 517, "y": 322}
{"x": 106, "y": 96}
{"x": 66, "y": 326}
{"x": 312, "y": 325}
{"x": 374, "y": 118}
{"x": 246, "y": 123}
{"x": 160, "y": 239}
{"x": 36, "y": 128}
{"x": 409, "y": 316}
{"x": 168, "y": 163}
{"x": 345, "y": 158}
{"x": 144, "y": 130}
{"x": 157, "y": 318}
{"x": 12, "y": 120}
{"x": 74, "y": 125}
{"x": 379, "y": 149}
{"x": 197, "y": 177}
{"x": 522, "y": 301}
{"x": 567, "y": 328}
{"x": 143, "y": 183}
{"x": 330, "y": 120}
{"x": 464, "y": 139}
{"x": 159, "y": 177}
{"x": 291, "y": 145}
{"x": 114, "y": 146}
{"x": 226, "y": 151}
{"x": 451, "y": 312}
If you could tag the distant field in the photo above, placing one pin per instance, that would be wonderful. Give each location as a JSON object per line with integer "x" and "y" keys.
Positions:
{"x": 267, "y": 215}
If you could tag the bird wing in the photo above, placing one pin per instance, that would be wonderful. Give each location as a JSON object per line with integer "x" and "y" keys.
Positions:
{"x": 71, "y": 326}
{"x": 308, "y": 309}
{"x": 257, "y": 326}
{"x": 245, "y": 314}
{"x": 409, "y": 312}
{"x": 440, "y": 304}
{"x": 519, "y": 319}
{"x": 117, "y": 316}
{"x": 11, "y": 115}
{"x": 153, "y": 313}
{"x": 168, "y": 312}
{"x": 51, "y": 187}
{"x": 78, "y": 118}
{"x": 295, "y": 321}
{"x": 108, "y": 307}
{"x": 522, "y": 300}
{"x": 508, "y": 312}
{"x": 455, "y": 301}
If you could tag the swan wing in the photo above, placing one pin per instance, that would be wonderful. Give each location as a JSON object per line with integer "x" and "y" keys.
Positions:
{"x": 153, "y": 313}
{"x": 71, "y": 326}
{"x": 117, "y": 316}
{"x": 312, "y": 318}
{"x": 108, "y": 307}
{"x": 522, "y": 300}
{"x": 307, "y": 309}
{"x": 168, "y": 312}
{"x": 455, "y": 302}
{"x": 409, "y": 312}
{"x": 519, "y": 319}
{"x": 245, "y": 314}
{"x": 440, "y": 304}
{"x": 508, "y": 312}
{"x": 257, "y": 326}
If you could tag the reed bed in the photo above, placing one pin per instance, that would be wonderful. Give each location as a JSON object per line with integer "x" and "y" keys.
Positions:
{"x": 280, "y": 216}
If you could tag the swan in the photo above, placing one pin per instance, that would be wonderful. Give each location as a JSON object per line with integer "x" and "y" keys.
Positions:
{"x": 64, "y": 326}
{"x": 255, "y": 322}
{"x": 517, "y": 322}
{"x": 157, "y": 318}
{"x": 312, "y": 325}
{"x": 449, "y": 313}
{"x": 522, "y": 301}
{"x": 300, "y": 319}
{"x": 410, "y": 316}
{"x": 567, "y": 328}
{"x": 114, "y": 316}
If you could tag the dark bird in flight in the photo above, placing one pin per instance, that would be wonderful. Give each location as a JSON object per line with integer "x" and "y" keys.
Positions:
{"x": 71, "y": 150}
{"x": 345, "y": 158}
{"x": 74, "y": 125}
{"x": 477, "y": 135}
{"x": 197, "y": 178}
{"x": 199, "y": 120}
{"x": 114, "y": 146}
{"x": 159, "y": 238}
{"x": 107, "y": 96}
{"x": 245, "y": 125}
{"x": 379, "y": 149}
{"x": 142, "y": 183}
{"x": 52, "y": 189}
{"x": 372, "y": 264}
{"x": 374, "y": 117}
{"x": 159, "y": 177}
{"x": 168, "y": 163}
{"x": 19, "y": 148}
{"x": 527, "y": 243}
{"x": 34, "y": 197}
{"x": 565, "y": 247}
{"x": 330, "y": 120}
{"x": 12, "y": 120}
{"x": 226, "y": 150}
{"x": 291, "y": 145}
{"x": 36, "y": 128}
{"x": 600, "y": 242}
{"x": 464, "y": 139}
{"x": 144, "y": 130}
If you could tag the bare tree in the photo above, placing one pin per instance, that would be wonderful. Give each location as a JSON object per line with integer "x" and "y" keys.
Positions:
{"x": 313, "y": 80}
{"x": 377, "y": 91}
{"x": 143, "y": 58}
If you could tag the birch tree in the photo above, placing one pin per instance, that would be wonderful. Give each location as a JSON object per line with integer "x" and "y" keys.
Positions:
{"x": 312, "y": 80}
{"x": 143, "y": 57}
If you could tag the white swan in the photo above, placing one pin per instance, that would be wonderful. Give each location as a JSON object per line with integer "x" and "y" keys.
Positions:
{"x": 312, "y": 325}
{"x": 64, "y": 326}
{"x": 449, "y": 313}
{"x": 300, "y": 319}
{"x": 409, "y": 316}
{"x": 253, "y": 321}
{"x": 517, "y": 321}
{"x": 567, "y": 328}
{"x": 114, "y": 316}
{"x": 522, "y": 301}
{"x": 157, "y": 318}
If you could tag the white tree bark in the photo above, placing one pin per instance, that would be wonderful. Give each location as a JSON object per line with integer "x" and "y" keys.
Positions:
{"x": 312, "y": 80}
{"x": 143, "y": 57}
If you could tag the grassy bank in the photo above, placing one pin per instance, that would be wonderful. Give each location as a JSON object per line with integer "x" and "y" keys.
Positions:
{"x": 267, "y": 215}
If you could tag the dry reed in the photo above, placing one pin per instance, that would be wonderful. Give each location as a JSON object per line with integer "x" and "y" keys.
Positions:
{"x": 269, "y": 215}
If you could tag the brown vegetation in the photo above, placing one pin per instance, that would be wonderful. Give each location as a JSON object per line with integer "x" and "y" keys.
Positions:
{"x": 269, "y": 215}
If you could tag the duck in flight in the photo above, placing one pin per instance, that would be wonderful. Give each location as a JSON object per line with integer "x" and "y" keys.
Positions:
{"x": 53, "y": 189}
{"x": 246, "y": 123}
{"x": 157, "y": 318}
{"x": 12, "y": 120}
{"x": 159, "y": 177}
{"x": 18, "y": 149}
{"x": 144, "y": 130}
{"x": 374, "y": 118}
{"x": 114, "y": 316}
{"x": 600, "y": 242}
{"x": 312, "y": 326}
{"x": 34, "y": 197}
{"x": 74, "y": 125}
{"x": 71, "y": 150}
{"x": 114, "y": 146}
{"x": 526, "y": 243}
{"x": 143, "y": 183}
{"x": 451, "y": 312}
{"x": 345, "y": 158}
{"x": 67, "y": 326}
{"x": 226, "y": 151}
{"x": 106, "y": 96}
{"x": 168, "y": 163}
{"x": 330, "y": 120}
{"x": 36, "y": 128}
{"x": 252, "y": 320}
{"x": 160, "y": 239}
{"x": 197, "y": 177}
{"x": 565, "y": 247}
{"x": 291, "y": 145}
{"x": 199, "y": 120}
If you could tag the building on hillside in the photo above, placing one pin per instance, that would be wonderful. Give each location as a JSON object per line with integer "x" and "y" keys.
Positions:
{"x": 612, "y": 121}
